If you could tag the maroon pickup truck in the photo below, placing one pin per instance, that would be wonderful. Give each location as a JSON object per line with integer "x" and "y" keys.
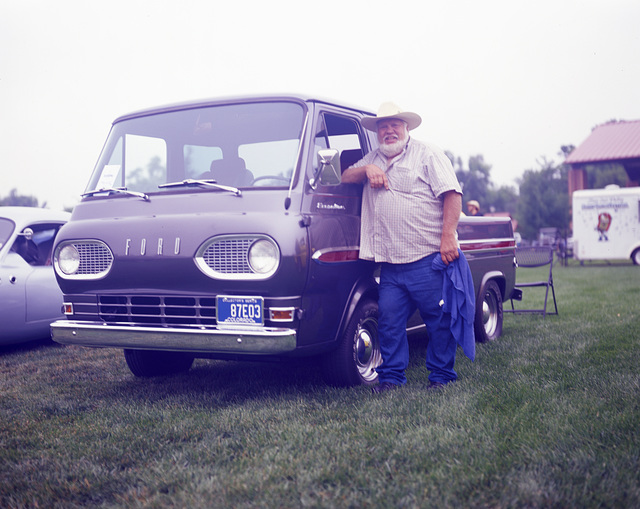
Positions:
{"x": 221, "y": 229}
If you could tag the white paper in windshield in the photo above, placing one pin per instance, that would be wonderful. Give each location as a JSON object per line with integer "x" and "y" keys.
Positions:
{"x": 108, "y": 176}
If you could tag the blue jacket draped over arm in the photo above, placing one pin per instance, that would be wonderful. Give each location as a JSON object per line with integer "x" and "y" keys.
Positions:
{"x": 459, "y": 300}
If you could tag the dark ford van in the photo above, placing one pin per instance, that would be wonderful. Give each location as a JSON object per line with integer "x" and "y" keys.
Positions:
{"x": 221, "y": 229}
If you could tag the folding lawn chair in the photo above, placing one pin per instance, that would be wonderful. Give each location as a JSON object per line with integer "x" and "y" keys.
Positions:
{"x": 535, "y": 257}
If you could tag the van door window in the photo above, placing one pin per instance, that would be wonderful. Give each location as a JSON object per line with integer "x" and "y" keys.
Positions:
{"x": 340, "y": 133}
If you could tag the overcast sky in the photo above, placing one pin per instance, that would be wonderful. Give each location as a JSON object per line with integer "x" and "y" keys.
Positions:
{"x": 508, "y": 79}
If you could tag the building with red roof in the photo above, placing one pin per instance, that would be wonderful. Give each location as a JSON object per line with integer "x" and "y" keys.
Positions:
{"x": 616, "y": 142}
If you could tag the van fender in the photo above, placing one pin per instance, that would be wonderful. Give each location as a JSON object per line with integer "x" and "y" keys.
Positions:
{"x": 356, "y": 353}
{"x": 365, "y": 288}
{"x": 498, "y": 277}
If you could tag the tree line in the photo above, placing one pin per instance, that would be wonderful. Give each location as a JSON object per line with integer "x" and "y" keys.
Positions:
{"x": 540, "y": 200}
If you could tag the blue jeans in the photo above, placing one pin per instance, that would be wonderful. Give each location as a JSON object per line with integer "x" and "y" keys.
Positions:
{"x": 403, "y": 289}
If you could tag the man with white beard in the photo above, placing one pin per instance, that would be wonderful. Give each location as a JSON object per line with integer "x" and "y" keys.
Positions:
{"x": 410, "y": 211}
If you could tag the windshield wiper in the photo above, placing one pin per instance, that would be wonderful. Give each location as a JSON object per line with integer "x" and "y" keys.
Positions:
{"x": 203, "y": 183}
{"x": 120, "y": 190}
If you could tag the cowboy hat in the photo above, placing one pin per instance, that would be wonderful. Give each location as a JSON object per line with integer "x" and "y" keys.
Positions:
{"x": 390, "y": 110}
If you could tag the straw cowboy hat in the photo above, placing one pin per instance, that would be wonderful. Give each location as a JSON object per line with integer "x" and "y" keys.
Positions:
{"x": 390, "y": 110}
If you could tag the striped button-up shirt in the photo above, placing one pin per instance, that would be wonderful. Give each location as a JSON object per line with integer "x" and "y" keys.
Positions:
{"x": 404, "y": 223}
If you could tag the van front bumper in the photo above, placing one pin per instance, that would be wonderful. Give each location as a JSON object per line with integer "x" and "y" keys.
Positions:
{"x": 258, "y": 340}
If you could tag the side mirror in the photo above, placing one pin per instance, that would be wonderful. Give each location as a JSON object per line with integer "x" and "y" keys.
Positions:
{"x": 328, "y": 173}
{"x": 27, "y": 233}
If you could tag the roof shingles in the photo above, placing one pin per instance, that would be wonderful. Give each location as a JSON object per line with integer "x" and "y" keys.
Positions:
{"x": 612, "y": 141}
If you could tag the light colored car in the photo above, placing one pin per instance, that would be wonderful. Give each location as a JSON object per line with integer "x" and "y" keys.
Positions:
{"x": 29, "y": 294}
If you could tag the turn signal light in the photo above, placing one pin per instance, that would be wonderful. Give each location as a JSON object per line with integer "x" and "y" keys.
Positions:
{"x": 281, "y": 314}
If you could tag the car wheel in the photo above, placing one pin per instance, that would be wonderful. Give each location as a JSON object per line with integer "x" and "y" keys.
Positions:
{"x": 635, "y": 257}
{"x": 357, "y": 356}
{"x": 146, "y": 363}
{"x": 488, "y": 320}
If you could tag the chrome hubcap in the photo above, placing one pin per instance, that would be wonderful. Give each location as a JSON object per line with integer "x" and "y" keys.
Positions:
{"x": 367, "y": 350}
{"x": 489, "y": 313}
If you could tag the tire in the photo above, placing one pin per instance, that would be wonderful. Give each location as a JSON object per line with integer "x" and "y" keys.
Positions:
{"x": 357, "y": 356}
{"x": 488, "y": 319}
{"x": 148, "y": 363}
{"x": 635, "y": 257}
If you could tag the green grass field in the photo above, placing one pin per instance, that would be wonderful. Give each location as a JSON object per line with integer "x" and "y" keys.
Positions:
{"x": 547, "y": 416}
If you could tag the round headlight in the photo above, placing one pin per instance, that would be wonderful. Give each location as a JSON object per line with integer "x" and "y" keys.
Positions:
{"x": 263, "y": 257}
{"x": 69, "y": 259}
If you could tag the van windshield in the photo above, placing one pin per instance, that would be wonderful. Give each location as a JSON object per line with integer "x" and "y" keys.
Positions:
{"x": 240, "y": 145}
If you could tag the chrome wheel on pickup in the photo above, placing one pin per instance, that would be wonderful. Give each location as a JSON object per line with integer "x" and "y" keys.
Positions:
{"x": 488, "y": 319}
{"x": 357, "y": 356}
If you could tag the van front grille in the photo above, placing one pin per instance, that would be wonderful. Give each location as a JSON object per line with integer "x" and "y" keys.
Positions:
{"x": 160, "y": 310}
{"x": 95, "y": 258}
{"x": 229, "y": 256}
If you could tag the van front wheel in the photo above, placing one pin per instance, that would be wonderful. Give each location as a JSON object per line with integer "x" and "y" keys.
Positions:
{"x": 357, "y": 356}
{"x": 635, "y": 257}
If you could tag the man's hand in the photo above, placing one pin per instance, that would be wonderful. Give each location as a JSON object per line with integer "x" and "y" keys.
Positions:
{"x": 377, "y": 177}
{"x": 449, "y": 249}
{"x": 371, "y": 172}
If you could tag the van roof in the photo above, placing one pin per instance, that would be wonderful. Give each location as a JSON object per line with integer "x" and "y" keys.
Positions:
{"x": 202, "y": 103}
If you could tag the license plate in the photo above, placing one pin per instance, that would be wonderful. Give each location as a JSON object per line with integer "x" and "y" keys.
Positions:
{"x": 233, "y": 310}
